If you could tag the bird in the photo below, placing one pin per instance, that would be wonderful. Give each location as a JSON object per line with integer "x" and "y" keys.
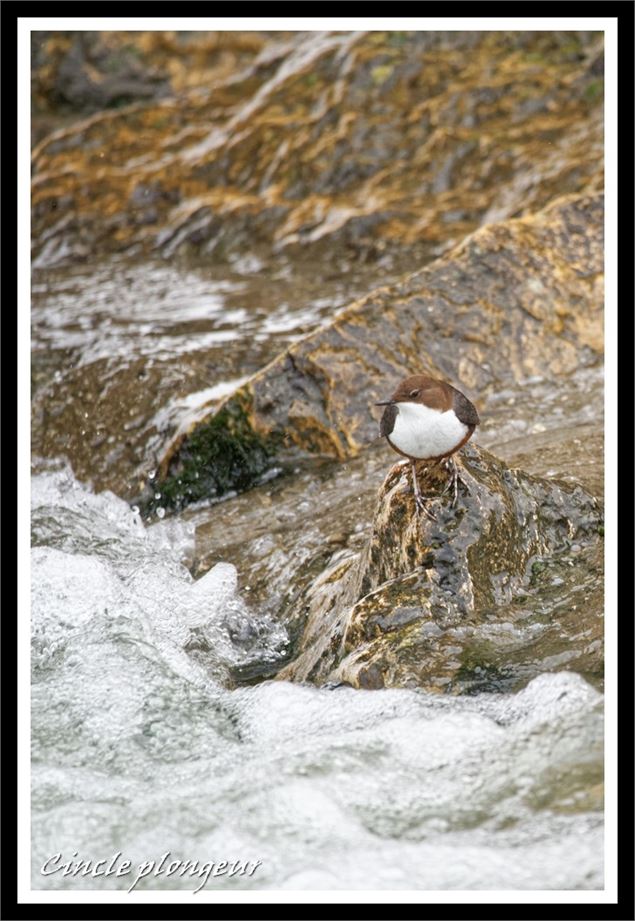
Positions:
{"x": 428, "y": 419}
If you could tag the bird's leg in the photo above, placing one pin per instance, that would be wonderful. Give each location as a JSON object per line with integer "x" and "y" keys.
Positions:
{"x": 455, "y": 479}
{"x": 420, "y": 501}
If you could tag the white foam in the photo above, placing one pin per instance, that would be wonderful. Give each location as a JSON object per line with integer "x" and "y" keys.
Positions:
{"x": 138, "y": 748}
{"x": 98, "y": 564}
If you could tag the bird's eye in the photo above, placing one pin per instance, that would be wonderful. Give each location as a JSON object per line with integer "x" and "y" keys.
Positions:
{"x": 414, "y": 393}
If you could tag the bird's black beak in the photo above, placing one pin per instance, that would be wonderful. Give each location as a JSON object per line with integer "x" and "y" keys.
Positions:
{"x": 385, "y": 403}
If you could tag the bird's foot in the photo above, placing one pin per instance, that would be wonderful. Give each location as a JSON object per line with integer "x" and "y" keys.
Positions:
{"x": 422, "y": 506}
{"x": 421, "y": 502}
{"x": 454, "y": 480}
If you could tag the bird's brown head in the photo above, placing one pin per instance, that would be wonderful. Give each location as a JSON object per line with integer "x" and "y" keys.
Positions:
{"x": 419, "y": 388}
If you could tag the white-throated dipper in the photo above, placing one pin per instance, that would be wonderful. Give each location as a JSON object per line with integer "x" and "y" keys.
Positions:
{"x": 427, "y": 419}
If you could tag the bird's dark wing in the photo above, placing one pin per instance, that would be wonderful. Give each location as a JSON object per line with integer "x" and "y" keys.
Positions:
{"x": 464, "y": 410}
{"x": 387, "y": 422}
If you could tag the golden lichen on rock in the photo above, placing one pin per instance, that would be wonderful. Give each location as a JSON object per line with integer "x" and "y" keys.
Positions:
{"x": 349, "y": 138}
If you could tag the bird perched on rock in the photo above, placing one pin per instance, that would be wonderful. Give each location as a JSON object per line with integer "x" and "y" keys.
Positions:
{"x": 427, "y": 419}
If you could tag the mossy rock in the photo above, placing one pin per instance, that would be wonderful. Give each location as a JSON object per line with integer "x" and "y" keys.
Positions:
{"x": 523, "y": 298}
{"x": 221, "y": 454}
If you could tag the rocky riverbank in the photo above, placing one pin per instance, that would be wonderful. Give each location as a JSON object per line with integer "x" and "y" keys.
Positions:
{"x": 239, "y": 246}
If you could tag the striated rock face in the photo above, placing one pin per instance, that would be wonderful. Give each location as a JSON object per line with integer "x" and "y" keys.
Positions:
{"x": 515, "y": 300}
{"x": 363, "y": 140}
{"x": 448, "y": 604}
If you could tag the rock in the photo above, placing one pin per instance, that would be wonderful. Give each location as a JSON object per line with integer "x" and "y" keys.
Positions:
{"x": 222, "y": 455}
{"x": 515, "y": 300}
{"x": 458, "y": 603}
{"x": 88, "y": 71}
{"x": 76, "y": 73}
{"x": 362, "y": 140}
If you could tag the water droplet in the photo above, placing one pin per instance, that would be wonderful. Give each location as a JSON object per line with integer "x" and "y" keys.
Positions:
{"x": 135, "y": 509}
{"x": 160, "y": 513}
{"x": 157, "y": 495}
{"x": 152, "y": 474}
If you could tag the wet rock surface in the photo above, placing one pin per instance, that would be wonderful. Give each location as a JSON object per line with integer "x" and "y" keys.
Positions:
{"x": 460, "y": 603}
{"x": 523, "y": 298}
{"x": 78, "y": 73}
{"x": 369, "y": 141}
{"x": 126, "y": 355}
{"x": 287, "y": 225}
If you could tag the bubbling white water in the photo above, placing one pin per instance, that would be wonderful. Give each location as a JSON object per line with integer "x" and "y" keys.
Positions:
{"x": 139, "y": 748}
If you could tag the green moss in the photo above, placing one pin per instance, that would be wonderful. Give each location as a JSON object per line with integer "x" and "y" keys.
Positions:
{"x": 594, "y": 90}
{"x": 220, "y": 455}
{"x": 535, "y": 57}
{"x": 480, "y": 673}
{"x": 397, "y": 38}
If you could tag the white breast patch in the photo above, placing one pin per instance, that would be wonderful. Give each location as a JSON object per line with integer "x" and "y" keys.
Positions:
{"x": 423, "y": 433}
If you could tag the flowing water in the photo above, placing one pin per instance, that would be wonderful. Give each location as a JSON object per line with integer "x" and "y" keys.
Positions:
{"x": 138, "y": 748}
{"x": 140, "y": 744}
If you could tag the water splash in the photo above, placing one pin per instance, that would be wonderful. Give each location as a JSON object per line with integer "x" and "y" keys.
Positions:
{"x": 138, "y": 747}
{"x": 101, "y": 577}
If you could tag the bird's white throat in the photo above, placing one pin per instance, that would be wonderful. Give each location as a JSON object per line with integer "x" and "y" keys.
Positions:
{"x": 424, "y": 433}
